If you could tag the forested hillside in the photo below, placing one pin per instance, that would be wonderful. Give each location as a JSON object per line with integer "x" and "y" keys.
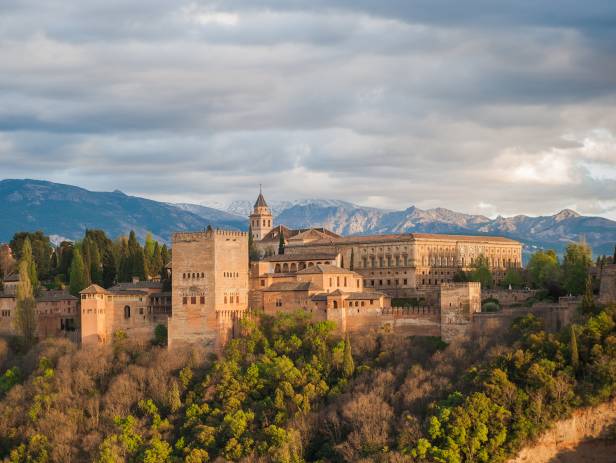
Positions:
{"x": 292, "y": 391}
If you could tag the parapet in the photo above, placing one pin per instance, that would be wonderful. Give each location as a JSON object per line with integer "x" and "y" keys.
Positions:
{"x": 205, "y": 235}
{"x": 458, "y": 285}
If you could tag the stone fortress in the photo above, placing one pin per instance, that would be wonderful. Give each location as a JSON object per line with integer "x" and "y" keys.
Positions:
{"x": 358, "y": 282}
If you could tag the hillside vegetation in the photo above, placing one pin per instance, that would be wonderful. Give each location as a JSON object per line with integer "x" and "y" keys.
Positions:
{"x": 292, "y": 391}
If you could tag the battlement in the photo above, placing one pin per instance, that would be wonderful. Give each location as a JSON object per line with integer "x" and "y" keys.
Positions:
{"x": 469, "y": 284}
{"x": 183, "y": 237}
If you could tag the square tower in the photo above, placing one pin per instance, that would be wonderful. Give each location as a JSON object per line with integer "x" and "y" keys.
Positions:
{"x": 459, "y": 301}
{"x": 209, "y": 286}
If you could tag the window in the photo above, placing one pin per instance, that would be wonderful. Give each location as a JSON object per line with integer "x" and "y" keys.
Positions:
{"x": 193, "y": 299}
{"x": 202, "y": 300}
{"x": 262, "y": 282}
{"x": 126, "y": 312}
{"x": 405, "y": 281}
{"x": 140, "y": 310}
{"x": 357, "y": 283}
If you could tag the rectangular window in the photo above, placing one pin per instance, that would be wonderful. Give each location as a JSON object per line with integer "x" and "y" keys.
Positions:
{"x": 193, "y": 299}
{"x": 405, "y": 281}
{"x": 184, "y": 300}
{"x": 202, "y": 300}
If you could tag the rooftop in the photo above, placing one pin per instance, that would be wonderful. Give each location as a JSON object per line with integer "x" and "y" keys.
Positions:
{"x": 323, "y": 268}
{"x": 302, "y": 257}
{"x": 292, "y": 286}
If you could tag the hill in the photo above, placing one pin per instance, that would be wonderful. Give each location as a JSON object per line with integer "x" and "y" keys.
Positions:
{"x": 67, "y": 211}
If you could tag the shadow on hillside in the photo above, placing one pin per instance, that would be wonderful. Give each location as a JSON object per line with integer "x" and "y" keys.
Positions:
{"x": 598, "y": 451}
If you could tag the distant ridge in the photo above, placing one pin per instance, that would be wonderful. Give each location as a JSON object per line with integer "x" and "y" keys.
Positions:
{"x": 66, "y": 211}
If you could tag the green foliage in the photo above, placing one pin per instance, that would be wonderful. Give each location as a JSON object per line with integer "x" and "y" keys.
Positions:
{"x": 481, "y": 272}
{"x": 25, "y": 302}
{"x": 10, "y": 378}
{"x": 516, "y": 396}
{"x": 160, "y": 335}
{"x": 576, "y": 262}
{"x": 543, "y": 269}
{"x": 39, "y": 249}
{"x": 78, "y": 275}
{"x": 588, "y": 300}
{"x": 513, "y": 278}
{"x": 490, "y": 307}
{"x": 348, "y": 366}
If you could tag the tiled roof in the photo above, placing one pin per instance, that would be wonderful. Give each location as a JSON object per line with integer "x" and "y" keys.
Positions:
{"x": 367, "y": 239}
{"x": 260, "y": 201}
{"x": 302, "y": 257}
{"x": 475, "y": 238}
{"x": 137, "y": 285}
{"x": 364, "y": 295}
{"x": 94, "y": 289}
{"x": 323, "y": 268}
{"x": 53, "y": 296}
{"x": 292, "y": 286}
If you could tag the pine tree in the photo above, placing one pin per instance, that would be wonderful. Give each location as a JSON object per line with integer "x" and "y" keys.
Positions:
{"x": 281, "y": 243}
{"x": 588, "y": 300}
{"x": 26, "y": 304}
{"x": 78, "y": 278}
{"x": 575, "y": 356}
{"x": 348, "y": 365}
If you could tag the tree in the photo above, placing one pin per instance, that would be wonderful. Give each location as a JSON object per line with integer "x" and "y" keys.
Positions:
{"x": 352, "y": 263}
{"x": 7, "y": 261}
{"x": 576, "y": 263}
{"x": 481, "y": 272}
{"x": 136, "y": 258}
{"x": 40, "y": 249}
{"x": 253, "y": 253}
{"x": 109, "y": 269}
{"x": 543, "y": 269}
{"x": 588, "y": 300}
{"x": 160, "y": 335}
{"x": 614, "y": 256}
{"x": 65, "y": 251}
{"x": 26, "y": 256}
{"x": 513, "y": 278}
{"x": 78, "y": 277}
{"x": 281, "y": 243}
{"x": 573, "y": 348}
{"x": 26, "y": 304}
{"x": 348, "y": 365}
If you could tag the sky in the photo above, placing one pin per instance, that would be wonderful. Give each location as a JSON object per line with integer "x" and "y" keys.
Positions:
{"x": 484, "y": 107}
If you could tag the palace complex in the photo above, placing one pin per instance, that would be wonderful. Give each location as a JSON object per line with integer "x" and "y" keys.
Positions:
{"x": 403, "y": 283}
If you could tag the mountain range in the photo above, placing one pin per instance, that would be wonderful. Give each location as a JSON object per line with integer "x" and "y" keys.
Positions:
{"x": 66, "y": 211}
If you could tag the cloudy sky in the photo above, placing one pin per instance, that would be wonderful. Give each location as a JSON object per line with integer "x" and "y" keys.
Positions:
{"x": 487, "y": 107}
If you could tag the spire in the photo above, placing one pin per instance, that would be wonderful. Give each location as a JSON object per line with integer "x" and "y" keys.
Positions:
{"x": 260, "y": 199}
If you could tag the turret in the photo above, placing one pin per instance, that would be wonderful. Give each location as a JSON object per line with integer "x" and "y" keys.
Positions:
{"x": 261, "y": 218}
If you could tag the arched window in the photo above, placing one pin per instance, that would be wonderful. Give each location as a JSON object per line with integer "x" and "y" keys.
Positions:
{"x": 285, "y": 267}
{"x": 126, "y": 311}
{"x": 277, "y": 269}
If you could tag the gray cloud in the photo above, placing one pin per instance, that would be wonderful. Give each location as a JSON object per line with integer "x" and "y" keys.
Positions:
{"x": 491, "y": 107}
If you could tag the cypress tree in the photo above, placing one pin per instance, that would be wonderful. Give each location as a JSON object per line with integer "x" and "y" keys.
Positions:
{"x": 26, "y": 256}
{"x": 109, "y": 269}
{"x": 281, "y": 243}
{"x": 614, "y": 257}
{"x": 588, "y": 300}
{"x": 157, "y": 260}
{"x": 78, "y": 278}
{"x": 348, "y": 365}
{"x": 352, "y": 263}
{"x": 136, "y": 258}
{"x": 165, "y": 254}
{"x": 26, "y": 304}
{"x": 573, "y": 347}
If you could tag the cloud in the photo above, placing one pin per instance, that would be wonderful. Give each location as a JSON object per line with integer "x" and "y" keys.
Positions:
{"x": 486, "y": 107}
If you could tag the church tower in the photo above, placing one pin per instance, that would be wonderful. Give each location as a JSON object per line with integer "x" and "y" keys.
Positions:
{"x": 261, "y": 218}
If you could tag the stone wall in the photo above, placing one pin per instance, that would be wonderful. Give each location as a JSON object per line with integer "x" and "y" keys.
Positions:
{"x": 507, "y": 297}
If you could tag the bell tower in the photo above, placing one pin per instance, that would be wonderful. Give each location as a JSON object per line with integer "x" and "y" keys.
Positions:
{"x": 261, "y": 218}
